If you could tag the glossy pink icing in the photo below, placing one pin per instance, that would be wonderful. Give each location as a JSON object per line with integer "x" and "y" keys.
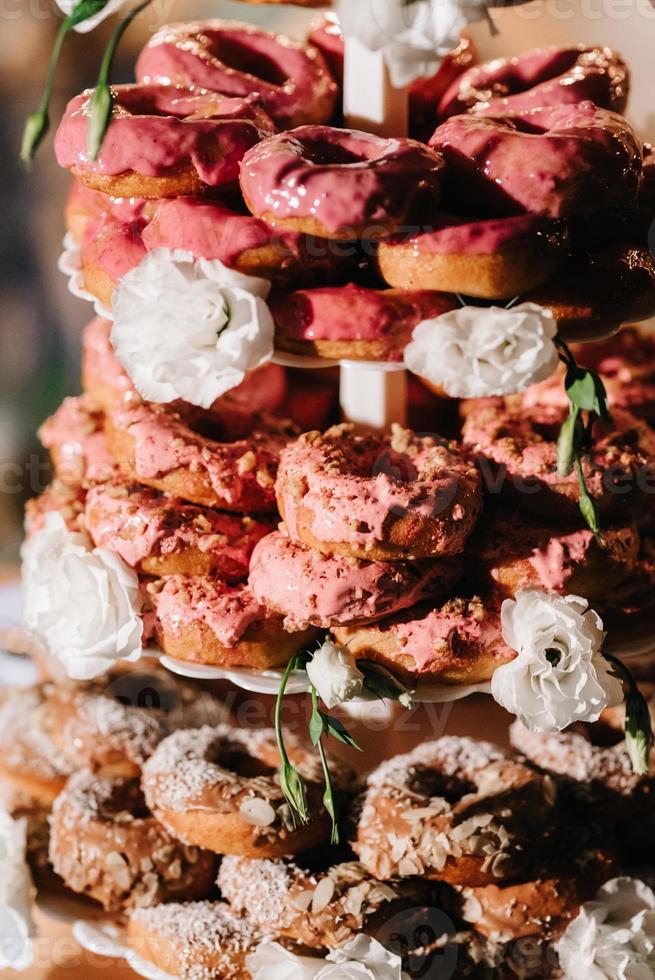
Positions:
{"x": 353, "y": 485}
{"x": 557, "y": 161}
{"x": 340, "y": 177}
{"x": 91, "y": 204}
{"x": 327, "y": 37}
{"x": 311, "y": 589}
{"x": 541, "y": 77}
{"x": 113, "y": 246}
{"x": 354, "y": 312}
{"x": 226, "y": 610}
{"x": 100, "y": 366}
{"x": 450, "y": 234}
{"x": 239, "y": 60}
{"x": 76, "y": 434}
{"x": 157, "y": 129}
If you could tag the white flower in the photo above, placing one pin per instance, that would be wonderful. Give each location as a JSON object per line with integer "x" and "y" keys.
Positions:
{"x": 560, "y": 675}
{"x": 190, "y": 328}
{"x": 81, "y": 602}
{"x": 414, "y": 36}
{"x": 112, "y": 7}
{"x": 477, "y": 352}
{"x": 15, "y": 896}
{"x": 613, "y": 937}
{"x": 272, "y": 960}
{"x": 363, "y": 959}
{"x": 333, "y": 672}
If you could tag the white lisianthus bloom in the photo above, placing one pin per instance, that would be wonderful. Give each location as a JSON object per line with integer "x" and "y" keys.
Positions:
{"x": 560, "y": 675}
{"x": 15, "y": 896}
{"x": 335, "y": 675}
{"x": 414, "y": 35}
{"x": 478, "y": 352}
{"x": 110, "y": 8}
{"x": 190, "y": 328}
{"x": 612, "y": 937}
{"x": 363, "y": 959}
{"x": 82, "y": 603}
{"x": 272, "y": 960}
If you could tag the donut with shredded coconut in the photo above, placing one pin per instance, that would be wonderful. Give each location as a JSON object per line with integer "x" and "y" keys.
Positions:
{"x": 309, "y": 588}
{"x": 317, "y": 908}
{"x": 106, "y": 844}
{"x": 378, "y": 497}
{"x": 454, "y": 810}
{"x": 219, "y": 788}
{"x": 158, "y": 447}
{"x": 194, "y": 940}
{"x": 75, "y": 437}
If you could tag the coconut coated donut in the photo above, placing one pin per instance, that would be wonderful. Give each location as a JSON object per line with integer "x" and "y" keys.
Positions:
{"x": 541, "y": 77}
{"x": 163, "y": 141}
{"x": 105, "y": 844}
{"x": 75, "y": 438}
{"x": 377, "y": 497}
{"x": 309, "y": 588}
{"x": 291, "y": 79}
{"x": 353, "y": 322}
{"x": 340, "y": 183}
{"x": 160, "y": 448}
{"x": 588, "y": 159}
{"x": 219, "y": 788}
{"x": 454, "y": 810}
{"x": 497, "y": 258}
{"x": 161, "y": 535}
{"x": 459, "y": 643}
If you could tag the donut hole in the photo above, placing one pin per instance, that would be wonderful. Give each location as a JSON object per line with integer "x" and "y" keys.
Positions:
{"x": 119, "y": 800}
{"x": 235, "y": 52}
{"x": 324, "y": 152}
{"x": 432, "y": 783}
{"x": 242, "y": 764}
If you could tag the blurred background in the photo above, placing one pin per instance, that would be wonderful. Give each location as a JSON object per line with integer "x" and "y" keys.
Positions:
{"x": 39, "y": 320}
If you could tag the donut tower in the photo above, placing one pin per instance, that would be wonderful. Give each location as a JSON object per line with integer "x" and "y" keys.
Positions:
{"x": 292, "y": 255}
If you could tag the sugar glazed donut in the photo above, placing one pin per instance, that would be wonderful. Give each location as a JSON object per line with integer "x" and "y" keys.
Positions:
{"x": 219, "y": 788}
{"x": 589, "y": 159}
{"x": 454, "y": 810}
{"x": 377, "y": 497}
{"x": 163, "y": 141}
{"x": 340, "y": 184}
{"x": 291, "y": 79}
{"x": 460, "y": 642}
{"x": 105, "y": 844}
{"x": 75, "y": 438}
{"x": 309, "y": 588}
{"x": 541, "y": 77}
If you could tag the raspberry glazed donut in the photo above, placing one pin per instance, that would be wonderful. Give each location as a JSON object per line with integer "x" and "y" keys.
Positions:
{"x": 340, "y": 184}
{"x": 163, "y": 141}
{"x": 589, "y": 159}
{"x": 64, "y": 498}
{"x": 161, "y": 535}
{"x": 309, "y": 588}
{"x": 454, "y": 810}
{"x": 351, "y": 321}
{"x": 194, "y": 940}
{"x": 291, "y": 79}
{"x": 160, "y": 448}
{"x": 219, "y": 788}
{"x": 105, "y": 844}
{"x": 517, "y": 453}
{"x": 326, "y": 35}
{"x": 110, "y": 249}
{"x": 204, "y": 620}
{"x": 459, "y": 643}
{"x": 539, "y": 78}
{"x": 76, "y": 440}
{"x": 497, "y": 258}
{"x": 378, "y": 497}
{"x": 85, "y": 206}
{"x": 314, "y": 906}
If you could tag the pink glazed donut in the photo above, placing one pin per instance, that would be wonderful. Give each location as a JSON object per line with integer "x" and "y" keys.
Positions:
{"x": 75, "y": 438}
{"x": 84, "y": 206}
{"x": 292, "y": 80}
{"x": 539, "y": 78}
{"x": 561, "y": 161}
{"x": 311, "y": 589}
{"x": 163, "y": 141}
{"x": 110, "y": 249}
{"x": 340, "y": 183}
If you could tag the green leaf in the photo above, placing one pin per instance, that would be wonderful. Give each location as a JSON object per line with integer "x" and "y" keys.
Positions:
{"x": 383, "y": 684}
{"x": 566, "y": 444}
{"x": 316, "y": 725}
{"x": 581, "y": 389}
{"x": 101, "y": 106}
{"x": 36, "y": 127}
{"x": 588, "y": 506}
{"x": 293, "y": 787}
{"x": 638, "y": 731}
{"x": 337, "y": 730}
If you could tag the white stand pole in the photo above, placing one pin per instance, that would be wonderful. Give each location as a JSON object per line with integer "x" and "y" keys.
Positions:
{"x": 370, "y": 102}
{"x": 373, "y": 396}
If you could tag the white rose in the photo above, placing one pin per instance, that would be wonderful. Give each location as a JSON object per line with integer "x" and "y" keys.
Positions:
{"x": 334, "y": 673}
{"x": 15, "y": 896}
{"x": 477, "y": 352}
{"x": 363, "y": 959}
{"x": 613, "y": 937}
{"x": 272, "y": 960}
{"x": 560, "y": 675}
{"x": 112, "y": 7}
{"x": 190, "y": 328}
{"x": 81, "y": 602}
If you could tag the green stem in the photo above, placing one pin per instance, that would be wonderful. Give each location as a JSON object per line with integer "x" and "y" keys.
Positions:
{"x": 328, "y": 798}
{"x": 291, "y": 781}
{"x": 38, "y": 123}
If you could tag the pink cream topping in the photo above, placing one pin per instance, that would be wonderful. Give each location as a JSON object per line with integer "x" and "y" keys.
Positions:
{"x": 100, "y": 364}
{"x": 77, "y": 434}
{"x": 226, "y": 610}
{"x": 437, "y": 635}
{"x": 486, "y": 237}
{"x": 83, "y": 200}
{"x": 114, "y": 247}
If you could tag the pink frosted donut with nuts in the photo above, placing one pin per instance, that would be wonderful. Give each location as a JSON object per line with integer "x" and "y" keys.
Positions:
{"x": 309, "y": 588}
{"x": 378, "y": 497}
{"x": 559, "y": 161}
{"x": 75, "y": 438}
{"x": 541, "y": 77}
{"x": 291, "y": 79}
{"x": 67, "y": 499}
{"x": 340, "y": 183}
